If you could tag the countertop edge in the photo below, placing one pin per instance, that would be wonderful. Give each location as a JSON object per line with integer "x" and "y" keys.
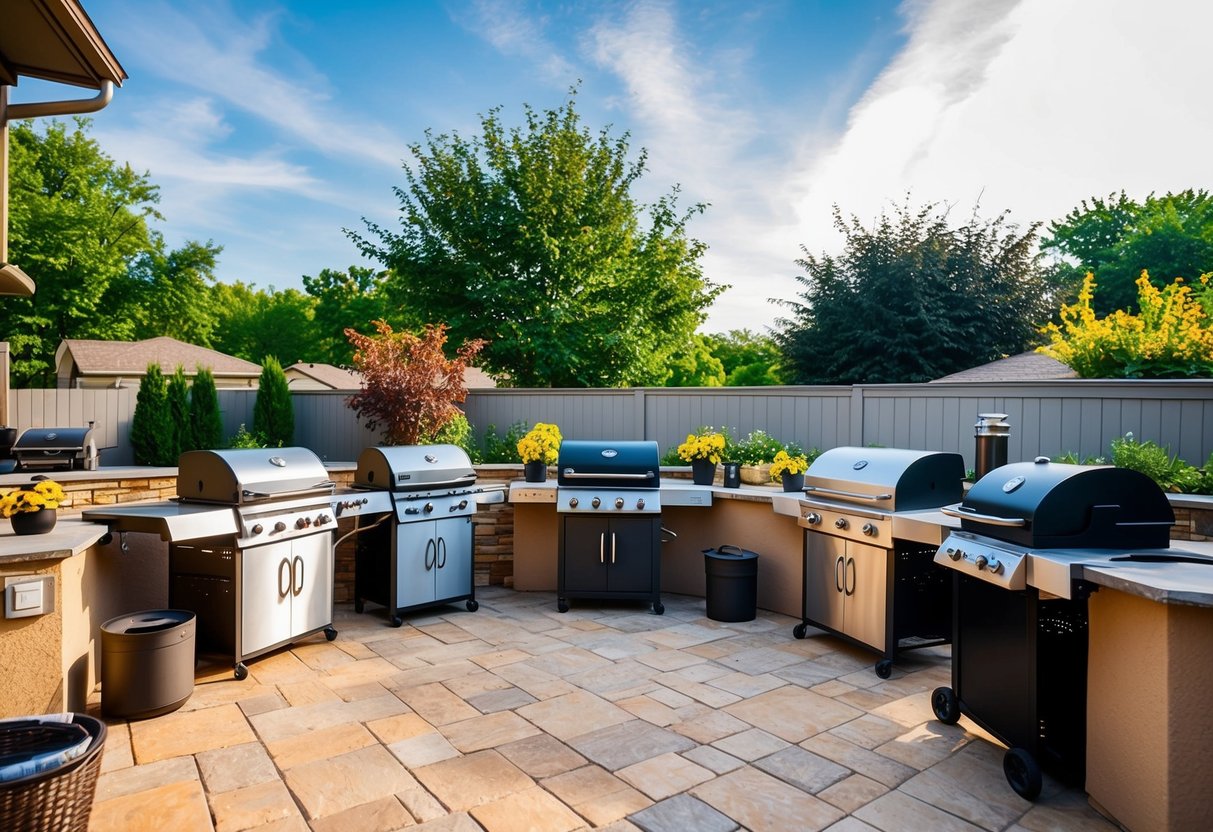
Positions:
{"x": 69, "y": 538}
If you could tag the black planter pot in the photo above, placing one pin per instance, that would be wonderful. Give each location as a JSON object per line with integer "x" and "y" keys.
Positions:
{"x": 703, "y": 471}
{"x": 792, "y": 482}
{"x": 535, "y": 471}
{"x": 34, "y": 522}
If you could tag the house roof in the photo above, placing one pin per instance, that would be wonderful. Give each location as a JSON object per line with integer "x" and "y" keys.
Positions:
{"x": 132, "y": 358}
{"x": 335, "y": 378}
{"x": 1027, "y": 366}
{"x": 54, "y": 40}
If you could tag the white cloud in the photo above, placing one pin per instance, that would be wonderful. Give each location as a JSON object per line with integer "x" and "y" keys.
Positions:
{"x": 505, "y": 25}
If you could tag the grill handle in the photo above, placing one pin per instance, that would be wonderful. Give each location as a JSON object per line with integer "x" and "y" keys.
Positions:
{"x": 570, "y": 474}
{"x": 963, "y": 513}
{"x": 327, "y": 484}
{"x": 852, "y": 494}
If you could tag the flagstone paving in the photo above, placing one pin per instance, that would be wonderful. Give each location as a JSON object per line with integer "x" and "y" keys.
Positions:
{"x": 517, "y": 718}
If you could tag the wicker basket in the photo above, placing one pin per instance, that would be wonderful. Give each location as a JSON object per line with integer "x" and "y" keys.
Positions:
{"x": 59, "y": 800}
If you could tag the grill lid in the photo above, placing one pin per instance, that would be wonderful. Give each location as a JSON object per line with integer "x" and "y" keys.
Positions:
{"x": 893, "y": 479}
{"x": 413, "y": 467}
{"x": 250, "y": 475}
{"x": 606, "y": 464}
{"x": 52, "y": 448}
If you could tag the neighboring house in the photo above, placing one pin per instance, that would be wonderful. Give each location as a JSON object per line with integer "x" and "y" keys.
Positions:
{"x": 306, "y": 375}
{"x": 1027, "y": 366}
{"x": 85, "y": 363}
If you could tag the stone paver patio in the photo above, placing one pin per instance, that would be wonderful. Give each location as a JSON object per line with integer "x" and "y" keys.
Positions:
{"x": 517, "y": 718}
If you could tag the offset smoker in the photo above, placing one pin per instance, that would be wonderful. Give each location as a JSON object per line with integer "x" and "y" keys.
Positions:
{"x": 609, "y": 502}
{"x": 250, "y": 547}
{"x": 420, "y": 553}
{"x": 868, "y": 575}
{"x": 1019, "y": 651}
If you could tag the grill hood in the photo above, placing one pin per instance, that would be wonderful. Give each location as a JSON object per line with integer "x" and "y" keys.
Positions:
{"x": 605, "y": 464}
{"x": 249, "y": 475}
{"x": 56, "y": 448}
{"x": 1050, "y": 505}
{"x": 413, "y": 467}
{"x": 892, "y": 479}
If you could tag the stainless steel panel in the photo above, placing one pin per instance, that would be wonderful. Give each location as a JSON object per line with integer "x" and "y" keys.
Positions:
{"x": 245, "y": 475}
{"x": 413, "y": 467}
{"x": 866, "y": 606}
{"x": 824, "y": 568}
{"x": 171, "y": 521}
{"x": 312, "y": 583}
{"x": 264, "y": 599}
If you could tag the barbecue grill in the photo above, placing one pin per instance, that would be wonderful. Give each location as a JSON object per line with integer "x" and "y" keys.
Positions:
{"x": 608, "y": 495}
{"x": 418, "y": 553}
{"x": 1019, "y": 653}
{"x": 56, "y": 449}
{"x": 250, "y": 546}
{"x": 868, "y": 572}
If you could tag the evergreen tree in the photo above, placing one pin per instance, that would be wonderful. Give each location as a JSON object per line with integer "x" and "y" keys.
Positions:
{"x": 274, "y": 413}
{"x": 151, "y": 427}
{"x": 182, "y": 439}
{"x": 206, "y": 423}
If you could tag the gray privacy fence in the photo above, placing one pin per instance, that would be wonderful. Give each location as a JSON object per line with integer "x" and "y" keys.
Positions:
{"x": 1047, "y": 418}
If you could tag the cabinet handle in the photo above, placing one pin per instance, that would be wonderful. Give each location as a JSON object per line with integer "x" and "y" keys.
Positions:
{"x": 440, "y": 552}
{"x": 838, "y": 573}
{"x": 612, "y": 547}
{"x": 851, "y": 567}
{"x": 298, "y": 575}
{"x": 430, "y": 548}
{"x": 284, "y": 586}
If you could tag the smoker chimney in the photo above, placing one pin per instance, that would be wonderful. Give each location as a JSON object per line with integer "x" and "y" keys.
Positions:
{"x": 991, "y": 432}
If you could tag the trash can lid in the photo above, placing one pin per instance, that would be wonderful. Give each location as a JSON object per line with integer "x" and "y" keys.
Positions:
{"x": 147, "y": 629}
{"x": 730, "y": 553}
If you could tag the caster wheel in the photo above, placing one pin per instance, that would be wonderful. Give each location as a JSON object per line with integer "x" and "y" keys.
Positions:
{"x": 800, "y": 630}
{"x": 658, "y": 608}
{"x": 330, "y": 633}
{"x": 397, "y": 621}
{"x": 240, "y": 672}
{"x": 358, "y": 608}
{"x": 945, "y": 705}
{"x": 1023, "y": 773}
{"x": 472, "y": 606}
{"x": 884, "y": 668}
{"x": 562, "y": 606}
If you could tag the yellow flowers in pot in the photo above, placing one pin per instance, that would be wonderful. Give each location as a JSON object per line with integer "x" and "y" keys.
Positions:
{"x": 785, "y": 463}
{"x": 43, "y": 494}
{"x": 705, "y": 444}
{"x": 541, "y": 444}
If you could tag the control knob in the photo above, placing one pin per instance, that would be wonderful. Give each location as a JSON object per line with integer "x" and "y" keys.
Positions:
{"x": 573, "y": 502}
{"x": 640, "y": 503}
{"x": 618, "y": 502}
{"x": 303, "y": 522}
{"x": 954, "y": 553}
{"x": 870, "y": 529}
{"x": 257, "y": 528}
{"x": 412, "y": 510}
{"x": 322, "y": 519}
{"x": 463, "y": 504}
{"x": 595, "y": 502}
{"x": 994, "y": 567}
{"x": 812, "y": 518}
{"x": 980, "y": 562}
{"x": 841, "y": 523}
{"x": 280, "y": 526}
{"x": 429, "y": 507}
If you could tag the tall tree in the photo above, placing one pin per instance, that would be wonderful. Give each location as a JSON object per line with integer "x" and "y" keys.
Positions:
{"x": 529, "y": 238}
{"x": 1118, "y": 238}
{"x": 255, "y": 323}
{"x": 913, "y": 299}
{"x": 273, "y": 411}
{"x": 181, "y": 437}
{"x": 169, "y": 293}
{"x": 151, "y": 425}
{"x": 206, "y": 423}
{"x": 695, "y": 366}
{"x": 749, "y": 359}
{"x": 352, "y": 298}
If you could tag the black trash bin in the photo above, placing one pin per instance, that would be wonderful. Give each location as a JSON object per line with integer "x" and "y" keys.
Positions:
{"x": 732, "y": 583}
{"x": 147, "y": 663}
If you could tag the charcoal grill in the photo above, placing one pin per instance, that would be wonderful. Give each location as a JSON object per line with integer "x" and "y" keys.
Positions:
{"x": 609, "y": 501}
{"x": 56, "y": 449}
{"x": 868, "y": 572}
{"x": 251, "y": 537}
{"x": 1019, "y": 653}
{"x": 419, "y": 552}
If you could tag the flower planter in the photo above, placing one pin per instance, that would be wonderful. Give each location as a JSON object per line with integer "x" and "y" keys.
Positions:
{"x": 535, "y": 471}
{"x": 756, "y": 474}
{"x": 703, "y": 471}
{"x": 34, "y": 522}
{"x": 792, "y": 482}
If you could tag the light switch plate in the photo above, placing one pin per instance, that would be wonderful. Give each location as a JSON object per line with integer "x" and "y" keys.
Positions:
{"x": 26, "y": 595}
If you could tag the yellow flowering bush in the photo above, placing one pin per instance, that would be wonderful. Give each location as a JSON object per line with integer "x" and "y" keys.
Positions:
{"x": 784, "y": 463}
{"x": 703, "y": 444}
{"x": 1171, "y": 336}
{"x": 541, "y": 444}
{"x": 43, "y": 494}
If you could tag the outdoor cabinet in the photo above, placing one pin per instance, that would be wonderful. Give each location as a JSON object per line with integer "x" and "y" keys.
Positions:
{"x": 845, "y": 587}
{"x": 615, "y": 557}
{"x": 286, "y": 589}
{"x": 433, "y": 562}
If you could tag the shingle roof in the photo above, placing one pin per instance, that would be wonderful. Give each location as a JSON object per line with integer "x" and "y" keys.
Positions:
{"x": 1027, "y": 366}
{"x": 329, "y": 375}
{"x": 133, "y": 357}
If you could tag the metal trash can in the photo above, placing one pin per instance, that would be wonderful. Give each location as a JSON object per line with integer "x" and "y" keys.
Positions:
{"x": 147, "y": 663}
{"x": 732, "y": 583}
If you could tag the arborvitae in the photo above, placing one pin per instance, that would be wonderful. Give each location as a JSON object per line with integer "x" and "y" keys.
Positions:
{"x": 274, "y": 413}
{"x": 179, "y": 413}
{"x": 151, "y": 425}
{"x": 205, "y": 420}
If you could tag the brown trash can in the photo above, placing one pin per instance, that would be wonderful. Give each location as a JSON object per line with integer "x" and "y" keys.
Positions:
{"x": 147, "y": 663}
{"x": 58, "y": 799}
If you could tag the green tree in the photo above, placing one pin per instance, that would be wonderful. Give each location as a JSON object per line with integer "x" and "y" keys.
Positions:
{"x": 151, "y": 423}
{"x": 181, "y": 438}
{"x": 206, "y": 423}
{"x": 1118, "y": 238}
{"x": 253, "y": 323}
{"x": 695, "y": 366}
{"x": 529, "y": 238}
{"x": 749, "y": 360}
{"x": 170, "y": 293}
{"x": 343, "y": 300}
{"x": 273, "y": 412}
{"x": 913, "y": 299}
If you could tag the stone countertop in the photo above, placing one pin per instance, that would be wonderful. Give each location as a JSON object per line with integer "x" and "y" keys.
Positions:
{"x": 674, "y": 492}
{"x": 69, "y": 537}
{"x": 1165, "y": 583}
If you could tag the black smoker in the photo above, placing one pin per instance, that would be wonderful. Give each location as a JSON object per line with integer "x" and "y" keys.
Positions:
{"x": 1019, "y": 641}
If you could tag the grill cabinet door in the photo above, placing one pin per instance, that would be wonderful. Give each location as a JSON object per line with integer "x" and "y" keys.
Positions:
{"x": 865, "y": 594}
{"x": 265, "y": 596}
{"x": 312, "y": 576}
{"x": 824, "y": 571}
{"x": 587, "y": 542}
{"x": 629, "y": 554}
{"x": 453, "y": 574}
{"x": 416, "y": 552}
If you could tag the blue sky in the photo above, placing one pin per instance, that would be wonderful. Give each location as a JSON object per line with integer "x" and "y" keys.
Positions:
{"x": 271, "y": 126}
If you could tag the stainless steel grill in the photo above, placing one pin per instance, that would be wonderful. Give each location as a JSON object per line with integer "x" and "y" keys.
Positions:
{"x": 417, "y": 550}
{"x": 251, "y": 537}
{"x": 868, "y": 574}
{"x": 56, "y": 449}
{"x": 609, "y": 498}
{"x": 1019, "y": 654}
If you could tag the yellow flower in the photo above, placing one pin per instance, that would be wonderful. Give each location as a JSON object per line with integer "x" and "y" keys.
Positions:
{"x": 784, "y": 464}
{"x": 541, "y": 444}
{"x": 43, "y": 494}
{"x": 706, "y": 444}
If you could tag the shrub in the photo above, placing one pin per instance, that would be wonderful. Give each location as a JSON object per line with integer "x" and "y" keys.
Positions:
{"x": 273, "y": 412}
{"x": 501, "y": 449}
{"x": 205, "y": 420}
{"x": 458, "y": 431}
{"x": 758, "y": 448}
{"x": 181, "y": 438}
{"x": 151, "y": 428}
{"x": 1170, "y": 472}
{"x": 243, "y": 439}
